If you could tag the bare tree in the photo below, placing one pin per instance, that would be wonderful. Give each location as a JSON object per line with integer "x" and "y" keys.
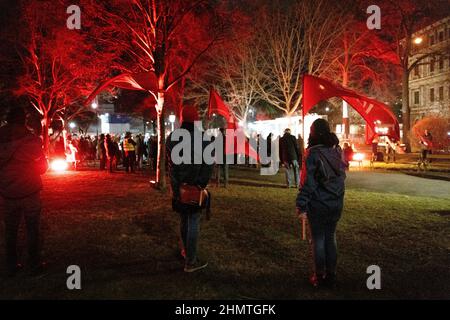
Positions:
{"x": 293, "y": 41}
{"x": 232, "y": 72}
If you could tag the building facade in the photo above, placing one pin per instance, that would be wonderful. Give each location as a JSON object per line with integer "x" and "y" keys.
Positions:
{"x": 429, "y": 81}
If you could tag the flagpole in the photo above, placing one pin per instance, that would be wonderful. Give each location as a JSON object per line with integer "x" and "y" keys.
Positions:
{"x": 303, "y": 112}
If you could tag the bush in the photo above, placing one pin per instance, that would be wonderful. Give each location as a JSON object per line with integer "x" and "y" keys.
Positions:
{"x": 439, "y": 128}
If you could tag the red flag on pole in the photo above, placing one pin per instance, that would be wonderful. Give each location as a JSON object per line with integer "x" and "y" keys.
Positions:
{"x": 217, "y": 106}
{"x": 378, "y": 116}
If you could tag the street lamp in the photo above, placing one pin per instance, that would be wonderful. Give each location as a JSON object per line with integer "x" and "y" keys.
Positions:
{"x": 94, "y": 106}
{"x": 418, "y": 40}
{"x": 72, "y": 125}
{"x": 172, "y": 118}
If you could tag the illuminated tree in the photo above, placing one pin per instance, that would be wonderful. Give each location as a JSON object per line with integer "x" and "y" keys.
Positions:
{"x": 58, "y": 65}
{"x": 163, "y": 38}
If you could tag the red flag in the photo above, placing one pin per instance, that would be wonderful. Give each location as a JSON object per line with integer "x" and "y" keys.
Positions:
{"x": 218, "y": 106}
{"x": 142, "y": 81}
{"x": 378, "y": 116}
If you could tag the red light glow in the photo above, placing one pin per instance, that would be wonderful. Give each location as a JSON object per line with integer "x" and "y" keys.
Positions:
{"x": 59, "y": 165}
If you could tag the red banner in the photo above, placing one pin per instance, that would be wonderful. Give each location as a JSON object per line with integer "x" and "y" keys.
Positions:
{"x": 377, "y": 115}
{"x": 217, "y": 106}
{"x": 143, "y": 81}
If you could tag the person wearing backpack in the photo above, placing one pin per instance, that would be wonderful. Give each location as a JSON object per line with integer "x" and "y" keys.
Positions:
{"x": 321, "y": 199}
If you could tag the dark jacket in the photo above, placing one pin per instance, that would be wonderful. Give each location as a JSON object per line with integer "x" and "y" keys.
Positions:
{"x": 289, "y": 150}
{"x": 323, "y": 187}
{"x": 22, "y": 162}
{"x": 191, "y": 174}
{"x": 110, "y": 147}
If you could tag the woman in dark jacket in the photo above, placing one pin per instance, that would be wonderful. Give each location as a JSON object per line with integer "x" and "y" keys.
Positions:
{"x": 321, "y": 199}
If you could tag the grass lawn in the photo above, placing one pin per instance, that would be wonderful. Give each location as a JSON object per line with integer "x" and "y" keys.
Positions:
{"x": 123, "y": 235}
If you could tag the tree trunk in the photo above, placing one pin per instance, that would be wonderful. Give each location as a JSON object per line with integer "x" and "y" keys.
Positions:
{"x": 345, "y": 120}
{"x": 405, "y": 109}
{"x": 161, "y": 161}
{"x": 44, "y": 130}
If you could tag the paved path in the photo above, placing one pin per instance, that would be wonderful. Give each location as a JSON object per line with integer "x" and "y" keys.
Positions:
{"x": 398, "y": 183}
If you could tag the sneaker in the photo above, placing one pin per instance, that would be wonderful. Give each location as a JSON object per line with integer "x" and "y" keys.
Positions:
{"x": 38, "y": 269}
{"x": 198, "y": 265}
{"x": 316, "y": 280}
{"x": 329, "y": 281}
{"x": 12, "y": 272}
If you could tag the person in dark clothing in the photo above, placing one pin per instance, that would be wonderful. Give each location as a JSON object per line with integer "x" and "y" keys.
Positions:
{"x": 111, "y": 151}
{"x": 192, "y": 175}
{"x": 140, "y": 150}
{"x": 102, "y": 151}
{"x": 375, "y": 148}
{"x": 153, "y": 151}
{"x": 222, "y": 168}
{"x": 426, "y": 143}
{"x": 22, "y": 162}
{"x": 321, "y": 199}
{"x": 290, "y": 158}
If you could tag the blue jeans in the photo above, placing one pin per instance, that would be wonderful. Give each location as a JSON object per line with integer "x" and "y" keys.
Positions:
{"x": 189, "y": 228}
{"x": 292, "y": 172}
{"x": 323, "y": 234}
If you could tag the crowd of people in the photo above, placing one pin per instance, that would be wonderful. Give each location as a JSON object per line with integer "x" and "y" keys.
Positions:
{"x": 110, "y": 150}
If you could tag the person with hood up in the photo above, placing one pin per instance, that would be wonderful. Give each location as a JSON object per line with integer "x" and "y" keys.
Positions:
{"x": 321, "y": 199}
{"x": 22, "y": 162}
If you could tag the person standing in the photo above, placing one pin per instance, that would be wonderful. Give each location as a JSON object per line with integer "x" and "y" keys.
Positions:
{"x": 22, "y": 162}
{"x": 289, "y": 157}
{"x": 321, "y": 199}
{"x": 426, "y": 143}
{"x": 185, "y": 177}
{"x": 348, "y": 154}
{"x": 375, "y": 142}
{"x": 102, "y": 151}
{"x": 222, "y": 166}
{"x": 129, "y": 147}
{"x": 140, "y": 149}
{"x": 110, "y": 147}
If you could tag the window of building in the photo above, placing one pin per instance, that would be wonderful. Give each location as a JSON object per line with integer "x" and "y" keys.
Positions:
{"x": 441, "y": 36}
{"x": 431, "y": 40}
{"x": 432, "y": 95}
{"x": 416, "y": 97}
{"x": 441, "y": 63}
{"x": 416, "y": 70}
{"x": 432, "y": 65}
{"x": 441, "y": 93}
